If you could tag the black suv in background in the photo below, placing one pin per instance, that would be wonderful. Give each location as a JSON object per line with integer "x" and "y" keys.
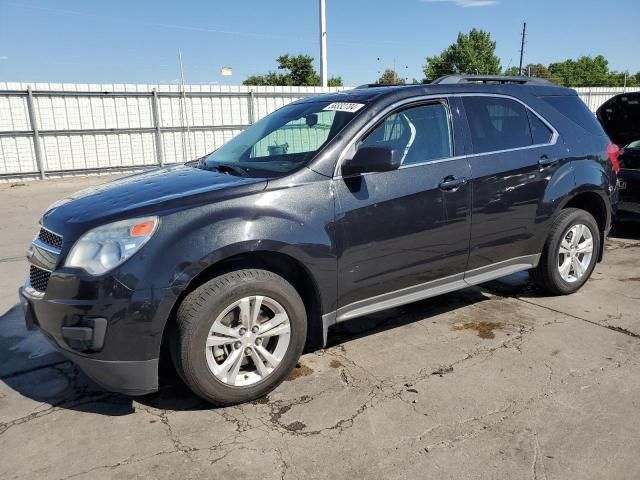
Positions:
{"x": 330, "y": 208}
{"x": 620, "y": 117}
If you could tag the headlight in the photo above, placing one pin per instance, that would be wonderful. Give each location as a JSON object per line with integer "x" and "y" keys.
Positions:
{"x": 104, "y": 248}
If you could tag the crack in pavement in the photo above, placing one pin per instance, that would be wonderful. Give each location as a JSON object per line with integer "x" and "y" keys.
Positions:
{"x": 177, "y": 443}
{"x": 512, "y": 409}
{"x": 352, "y": 375}
{"x": 80, "y": 396}
{"x": 560, "y": 312}
{"x": 33, "y": 369}
{"x": 66, "y": 404}
{"x": 537, "y": 458}
{"x": 12, "y": 259}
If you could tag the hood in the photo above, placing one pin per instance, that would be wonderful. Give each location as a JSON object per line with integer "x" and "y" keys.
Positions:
{"x": 152, "y": 192}
{"x": 620, "y": 118}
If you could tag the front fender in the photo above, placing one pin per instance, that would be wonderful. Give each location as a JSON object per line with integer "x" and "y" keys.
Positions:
{"x": 296, "y": 221}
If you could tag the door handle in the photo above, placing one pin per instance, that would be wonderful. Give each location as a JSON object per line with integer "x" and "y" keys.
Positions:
{"x": 545, "y": 161}
{"x": 451, "y": 183}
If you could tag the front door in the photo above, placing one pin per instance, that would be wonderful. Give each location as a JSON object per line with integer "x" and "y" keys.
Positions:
{"x": 400, "y": 229}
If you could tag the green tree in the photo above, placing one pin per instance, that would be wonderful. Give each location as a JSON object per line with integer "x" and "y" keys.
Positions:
{"x": 585, "y": 71}
{"x": 532, "y": 70}
{"x": 270, "y": 78}
{"x": 537, "y": 70}
{"x": 297, "y": 71}
{"x": 471, "y": 53}
{"x": 390, "y": 77}
{"x": 512, "y": 71}
{"x": 299, "y": 68}
{"x": 334, "y": 81}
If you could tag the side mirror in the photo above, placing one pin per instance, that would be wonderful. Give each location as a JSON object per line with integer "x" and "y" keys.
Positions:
{"x": 371, "y": 159}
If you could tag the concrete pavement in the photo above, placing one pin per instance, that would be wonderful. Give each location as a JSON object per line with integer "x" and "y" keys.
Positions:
{"x": 490, "y": 382}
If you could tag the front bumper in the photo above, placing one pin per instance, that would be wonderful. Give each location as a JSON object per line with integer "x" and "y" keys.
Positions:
{"x": 114, "y": 341}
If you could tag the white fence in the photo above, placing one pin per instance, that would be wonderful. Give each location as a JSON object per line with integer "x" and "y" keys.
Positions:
{"x": 596, "y": 96}
{"x": 51, "y": 129}
{"x": 54, "y": 129}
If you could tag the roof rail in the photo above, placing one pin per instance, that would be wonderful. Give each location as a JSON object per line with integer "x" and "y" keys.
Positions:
{"x": 519, "y": 80}
{"x": 376, "y": 85}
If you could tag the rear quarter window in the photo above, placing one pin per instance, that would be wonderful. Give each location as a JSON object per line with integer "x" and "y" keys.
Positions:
{"x": 575, "y": 110}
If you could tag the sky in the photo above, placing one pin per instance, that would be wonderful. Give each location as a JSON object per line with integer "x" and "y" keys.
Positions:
{"x": 137, "y": 41}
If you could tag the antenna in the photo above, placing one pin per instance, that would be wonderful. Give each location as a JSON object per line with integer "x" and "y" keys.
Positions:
{"x": 524, "y": 34}
{"x": 184, "y": 118}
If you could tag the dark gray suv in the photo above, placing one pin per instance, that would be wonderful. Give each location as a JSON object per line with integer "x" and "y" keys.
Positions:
{"x": 330, "y": 208}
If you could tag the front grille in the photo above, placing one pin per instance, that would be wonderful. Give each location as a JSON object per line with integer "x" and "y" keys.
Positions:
{"x": 38, "y": 278}
{"x": 50, "y": 238}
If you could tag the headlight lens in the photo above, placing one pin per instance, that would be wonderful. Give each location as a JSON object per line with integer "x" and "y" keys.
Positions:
{"x": 104, "y": 248}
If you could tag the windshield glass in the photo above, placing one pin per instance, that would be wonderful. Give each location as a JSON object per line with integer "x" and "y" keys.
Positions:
{"x": 283, "y": 141}
{"x": 633, "y": 145}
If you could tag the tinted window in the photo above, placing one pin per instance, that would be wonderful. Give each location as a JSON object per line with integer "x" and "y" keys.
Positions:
{"x": 539, "y": 131}
{"x": 575, "y": 109}
{"x": 420, "y": 133}
{"x": 497, "y": 123}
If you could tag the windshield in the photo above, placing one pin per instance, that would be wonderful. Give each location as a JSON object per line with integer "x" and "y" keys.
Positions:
{"x": 633, "y": 145}
{"x": 283, "y": 141}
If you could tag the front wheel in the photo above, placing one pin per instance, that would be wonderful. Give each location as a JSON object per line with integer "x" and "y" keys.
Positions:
{"x": 239, "y": 336}
{"x": 570, "y": 254}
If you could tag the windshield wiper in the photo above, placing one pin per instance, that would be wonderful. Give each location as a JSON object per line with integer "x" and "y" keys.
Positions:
{"x": 230, "y": 169}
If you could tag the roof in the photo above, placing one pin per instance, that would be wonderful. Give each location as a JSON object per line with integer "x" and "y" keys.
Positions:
{"x": 512, "y": 86}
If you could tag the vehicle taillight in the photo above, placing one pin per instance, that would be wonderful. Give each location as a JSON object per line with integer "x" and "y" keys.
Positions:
{"x": 613, "y": 151}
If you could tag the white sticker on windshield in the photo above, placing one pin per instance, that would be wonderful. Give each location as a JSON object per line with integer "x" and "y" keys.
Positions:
{"x": 344, "y": 107}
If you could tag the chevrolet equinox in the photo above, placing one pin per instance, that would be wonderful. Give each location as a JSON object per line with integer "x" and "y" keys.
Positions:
{"x": 330, "y": 208}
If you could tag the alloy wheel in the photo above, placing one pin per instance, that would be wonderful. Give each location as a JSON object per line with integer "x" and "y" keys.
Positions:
{"x": 248, "y": 340}
{"x": 575, "y": 253}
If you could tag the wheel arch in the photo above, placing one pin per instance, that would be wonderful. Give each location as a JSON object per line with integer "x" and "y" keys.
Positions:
{"x": 282, "y": 264}
{"x": 596, "y": 205}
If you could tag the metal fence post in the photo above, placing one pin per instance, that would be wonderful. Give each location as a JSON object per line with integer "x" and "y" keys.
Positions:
{"x": 252, "y": 108}
{"x": 37, "y": 147}
{"x": 156, "y": 124}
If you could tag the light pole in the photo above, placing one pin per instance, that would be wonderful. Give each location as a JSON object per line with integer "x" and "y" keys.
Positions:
{"x": 323, "y": 44}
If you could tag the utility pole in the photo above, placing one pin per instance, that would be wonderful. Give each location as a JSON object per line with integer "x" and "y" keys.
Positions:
{"x": 524, "y": 34}
{"x": 323, "y": 44}
{"x": 184, "y": 117}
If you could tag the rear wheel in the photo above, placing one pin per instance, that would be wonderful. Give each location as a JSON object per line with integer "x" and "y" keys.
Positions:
{"x": 239, "y": 336}
{"x": 570, "y": 253}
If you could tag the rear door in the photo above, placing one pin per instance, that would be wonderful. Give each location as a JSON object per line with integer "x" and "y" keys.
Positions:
{"x": 406, "y": 227}
{"x": 513, "y": 154}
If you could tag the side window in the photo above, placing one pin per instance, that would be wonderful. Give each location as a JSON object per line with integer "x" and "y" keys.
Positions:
{"x": 303, "y": 135}
{"x": 420, "y": 134}
{"x": 497, "y": 123}
{"x": 539, "y": 131}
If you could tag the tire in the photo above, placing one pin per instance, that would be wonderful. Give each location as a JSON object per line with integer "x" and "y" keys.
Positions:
{"x": 203, "y": 367}
{"x": 547, "y": 274}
